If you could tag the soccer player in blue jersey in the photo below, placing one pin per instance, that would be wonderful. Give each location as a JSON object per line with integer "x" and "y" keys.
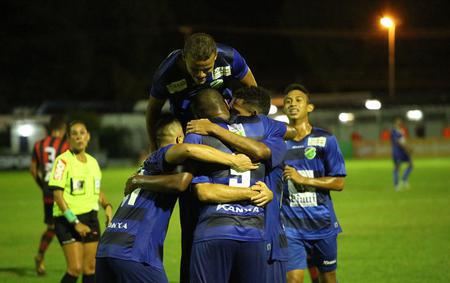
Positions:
{"x": 232, "y": 235}
{"x": 200, "y": 64}
{"x": 131, "y": 248}
{"x": 401, "y": 153}
{"x": 314, "y": 167}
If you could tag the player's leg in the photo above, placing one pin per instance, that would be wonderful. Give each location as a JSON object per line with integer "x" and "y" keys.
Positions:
{"x": 114, "y": 270}
{"x": 211, "y": 261}
{"x": 105, "y": 272}
{"x": 297, "y": 260}
{"x": 397, "y": 164}
{"x": 48, "y": 234}
{"x": 90, "y": 243}
{"x": 324, "y": 256}
{"x": 73, "y": 252}
{"x": 250, "y": 262}
{"x": 406, "y": 173}
{"x": 312, "y": 270}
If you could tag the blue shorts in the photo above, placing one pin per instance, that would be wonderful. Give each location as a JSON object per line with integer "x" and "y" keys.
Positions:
{"x": 223, "y": 261}
{"x": 276, "y": 271}
{"x": 323, "y": 253}
{"x": 114, "y": 270}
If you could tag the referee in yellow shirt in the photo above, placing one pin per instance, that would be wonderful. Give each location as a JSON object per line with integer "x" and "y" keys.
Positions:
{"x": 76, "y": 181}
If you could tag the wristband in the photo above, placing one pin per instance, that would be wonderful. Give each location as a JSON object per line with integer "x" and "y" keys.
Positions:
{"x": 72, "y": 218}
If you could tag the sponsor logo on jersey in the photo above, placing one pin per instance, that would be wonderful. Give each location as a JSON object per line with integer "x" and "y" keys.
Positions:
{"x": 319, "y": 141}
{"x": 176, "y": 86}
{"x": 118, "y": 225}
{"x": 238, "y": 129}
{"x": 59, "y": 170}
{"x": 216, "y": 83}
{"x": 307, "y": 199}
{"x": 221, "y": 72}
{"x": 298, "y": 146}
{"x": 237, "y": 209}
{"x": 310, "y": 152}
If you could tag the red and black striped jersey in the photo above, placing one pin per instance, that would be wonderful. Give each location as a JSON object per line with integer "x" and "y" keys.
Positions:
{"x": 44, "y": 153}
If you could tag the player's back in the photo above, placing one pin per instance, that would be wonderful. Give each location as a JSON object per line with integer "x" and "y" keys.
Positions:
{"x": 138, "y": 229}
{"x": 238, "y": 221}
{"x": 45, "y": 152}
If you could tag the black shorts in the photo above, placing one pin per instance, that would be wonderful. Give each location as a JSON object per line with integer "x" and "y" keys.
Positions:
{"x": 48, "y": 205}
{"x": 66, "y": 233}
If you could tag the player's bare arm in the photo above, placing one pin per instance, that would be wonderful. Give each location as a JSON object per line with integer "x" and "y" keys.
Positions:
{"x": 327, "y": 183}
{"x": 249, "y": 79}
{"x": 35, "y": 173}
{"x": 179, "y": 153}
{"x": 154, "y": 107}
{"x": 103, "y": 201}
{"x": 172, "y": 184}
{"x": 254, "y": 149}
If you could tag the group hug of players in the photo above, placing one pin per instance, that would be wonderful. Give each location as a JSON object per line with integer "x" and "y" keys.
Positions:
{"x": 253, "y": 193}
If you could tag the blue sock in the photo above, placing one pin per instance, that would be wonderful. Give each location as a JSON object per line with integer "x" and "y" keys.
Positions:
{"x": 407, "y": 172}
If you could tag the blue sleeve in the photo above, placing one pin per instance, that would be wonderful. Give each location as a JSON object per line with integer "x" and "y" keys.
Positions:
{"x": 239, "y": 68}
{"x": 158, "y": 90}
{"x": 334, "y": 161}
{"x": 273, "y": 127}
{"x": 277, "y": 148}
{"x": 193, "y": 138}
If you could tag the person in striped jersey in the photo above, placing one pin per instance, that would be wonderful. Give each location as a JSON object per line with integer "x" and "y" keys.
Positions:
{"x": 314, "y": 166}
{"x": 44, "y": 154}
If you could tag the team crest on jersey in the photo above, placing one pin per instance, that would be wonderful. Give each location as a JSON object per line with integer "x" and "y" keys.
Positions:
{"x": 310, "y": 152}
{"x": 176, "y": 86}
{"x": 59, "y": 170}
{"x": 319, "y": 141}
{"x": 216, "y": 83}
{"x": 221, "y": 72}
{"x": 238, "y": 129}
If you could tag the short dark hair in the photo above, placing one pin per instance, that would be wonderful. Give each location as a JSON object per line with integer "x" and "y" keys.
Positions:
{"x": 76, "y": 122}
{"x": 57, "y": 122}
{"x": 299, "y": 87}
{"x": 207, "y": 102}
{"x": 165, "y": 119}
{"x": 199, "y": 47}
{"x": 255, "y": 98}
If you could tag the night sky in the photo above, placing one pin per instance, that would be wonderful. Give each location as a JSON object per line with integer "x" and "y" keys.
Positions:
{"x": 108, "y": 50}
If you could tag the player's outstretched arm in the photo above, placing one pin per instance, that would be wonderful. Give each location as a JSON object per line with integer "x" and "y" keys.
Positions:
{"x": 219, "y": 193}
{"x": 254, "y": 149}
{"x": 327, "y": 183}
{"x": 154, "y": 107}
{"x": 178, "y": 153}
{"x": 249, "y": 79}
{"x": 171, "y": 184}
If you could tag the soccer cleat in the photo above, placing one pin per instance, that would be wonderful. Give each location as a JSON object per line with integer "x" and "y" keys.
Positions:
{"x": 39, "y": 265}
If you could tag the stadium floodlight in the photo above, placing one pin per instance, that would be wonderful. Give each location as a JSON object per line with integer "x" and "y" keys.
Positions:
{"x": 387, "y": 22}
{"x": 346, "y": 117}
{"x": 373, "y": 104}
{"x": 282, "y": 118}
{"x": 25, "y": 130}
{"x": 414, "y": 115}
{"x": 273, "y": 109}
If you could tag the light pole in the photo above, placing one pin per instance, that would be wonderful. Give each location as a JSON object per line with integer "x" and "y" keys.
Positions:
{"x": 389, "y": 23}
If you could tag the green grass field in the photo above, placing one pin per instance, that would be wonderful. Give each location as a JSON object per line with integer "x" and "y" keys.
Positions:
{"x": 388, "y": 236}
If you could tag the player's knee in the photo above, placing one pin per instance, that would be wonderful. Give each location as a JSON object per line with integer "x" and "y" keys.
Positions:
{"x": 75, "y": 269}
{"x": 328, "y": 277}
{"x": 295, "y": 276}
{"x": 89, "y": 267}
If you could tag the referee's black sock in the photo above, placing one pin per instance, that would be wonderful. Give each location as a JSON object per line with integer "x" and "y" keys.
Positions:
{"x": 69, "y": 278}
{"x": 89, "y": 278}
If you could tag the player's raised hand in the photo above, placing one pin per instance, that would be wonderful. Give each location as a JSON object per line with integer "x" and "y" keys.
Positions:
{"x": 200, "y": 127}
{"x": 242, "y": 163}
{"x": 291, "y": 174}
{"x": 264, "y": 196}
{"x": 82, "y": 229}
{"x": 130, "y": 185}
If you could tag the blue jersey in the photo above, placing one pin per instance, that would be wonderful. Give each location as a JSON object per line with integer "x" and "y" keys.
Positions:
{"x": 276, "y": 236}
{"x": 173, "y": 83}
{"x": 242, "y": 220}
{"x": 398, "y": 153}
{"x": 138, "y": 229}
{"x": 308, "y": 212}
